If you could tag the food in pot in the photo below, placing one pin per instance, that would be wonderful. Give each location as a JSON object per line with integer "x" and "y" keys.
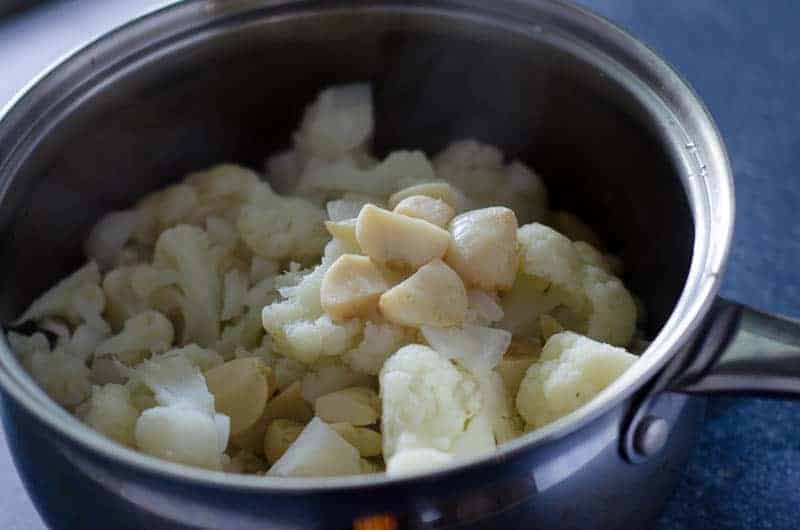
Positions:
{"x": 362, "y": 315}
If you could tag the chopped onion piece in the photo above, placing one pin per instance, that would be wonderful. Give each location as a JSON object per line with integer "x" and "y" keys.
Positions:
{"x": 476, "y": 348}
{"x": 482, "y": 308}
{"x": 318, "y": 451}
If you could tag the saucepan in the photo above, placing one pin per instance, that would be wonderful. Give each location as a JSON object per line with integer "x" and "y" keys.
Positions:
{"x": 617, "y": 135}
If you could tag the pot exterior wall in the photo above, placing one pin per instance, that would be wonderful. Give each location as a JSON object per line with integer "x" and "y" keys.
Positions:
{"x": 580, "y": 482}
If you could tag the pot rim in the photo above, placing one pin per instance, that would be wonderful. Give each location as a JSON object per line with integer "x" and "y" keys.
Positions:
{"x": 685, "y": 127}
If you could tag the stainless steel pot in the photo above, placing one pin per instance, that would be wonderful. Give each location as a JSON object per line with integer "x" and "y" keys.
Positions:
{"x": 617, "y": 135}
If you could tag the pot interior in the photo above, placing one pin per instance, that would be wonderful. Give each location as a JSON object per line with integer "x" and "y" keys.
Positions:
{"x": 149, "y": 106}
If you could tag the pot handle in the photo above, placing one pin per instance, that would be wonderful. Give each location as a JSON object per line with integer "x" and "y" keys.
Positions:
{"x": 739, "y": 351}
{"x": 744, "y": 351}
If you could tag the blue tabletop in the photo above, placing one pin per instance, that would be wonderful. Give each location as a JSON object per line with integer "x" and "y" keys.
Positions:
{"x": 743, "y": 58}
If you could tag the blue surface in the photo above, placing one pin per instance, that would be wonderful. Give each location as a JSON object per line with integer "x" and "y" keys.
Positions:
{"x": 745, "y": 470}
{"x": 743, "y": 58}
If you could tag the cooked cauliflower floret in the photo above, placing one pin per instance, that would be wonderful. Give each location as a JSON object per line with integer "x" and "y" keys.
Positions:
{"x": 525, "y": 193}
{"x": 418, "y": 460}
{"x": 244, "y": 332}
{"x": 282, "y": 228}
{"x": 164, "y": 209}
{"x": 174, "y": 380}
{"x": 133, "y": 253}
{"x": 65, "y": 377}
{"x": 339, "y": 121}
{"x": 231, "y": 258}
{"x": 298, "y": 325}
{"x": 612, "y": 316}
{"x": 551, "y": 259}
{"x": 262, "y": 269}
{"x": 88, "y": 303}
{"x": 498, "y": 407}
{"x": 426, "y": 401}
{"x": 26, "y": 345}
{"x": 67, "y": 298}
{"x": 146, "y": 333}
{"x": 106, "y": 370}
{"x": 111, "y": 412}
{"x": 572, "y": 370}
{"x": 224, "y": 181}
{"x": 591, "y": 256}
{"x": 309, "y": 340}
{"x": 284, "y": 168}
{"x": 478, "y": 438}
{"x": 261, "y": 294}
{"x": 187, "y": 251}
{"x": 146, "y": 280}
{"x": 62, "y": 375}
{"x": 184, "y": 427}
{"x": 398, "y": 170}
{"x": 221, "y": 191}
{"x": 202, "y": 358}
{"x": 122, "y": 302}
{"x": 234, "y": 289}
{"x": 471, "y": 165}
{"x": 109, "y": 236}
{"x": 584, "y": 297}
{"x": 525, "y": 303}
{"x": 479, "y": 349}
{"x": 478, "y": 169}
{"x": 58, "y": 328}
{"x": 221, "y": 231}
{"x": 85, "y": 340}
{"x": 180, "y": 434}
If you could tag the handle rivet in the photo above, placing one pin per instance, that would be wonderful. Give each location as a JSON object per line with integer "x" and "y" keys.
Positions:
{"x": 651, "y": 436}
